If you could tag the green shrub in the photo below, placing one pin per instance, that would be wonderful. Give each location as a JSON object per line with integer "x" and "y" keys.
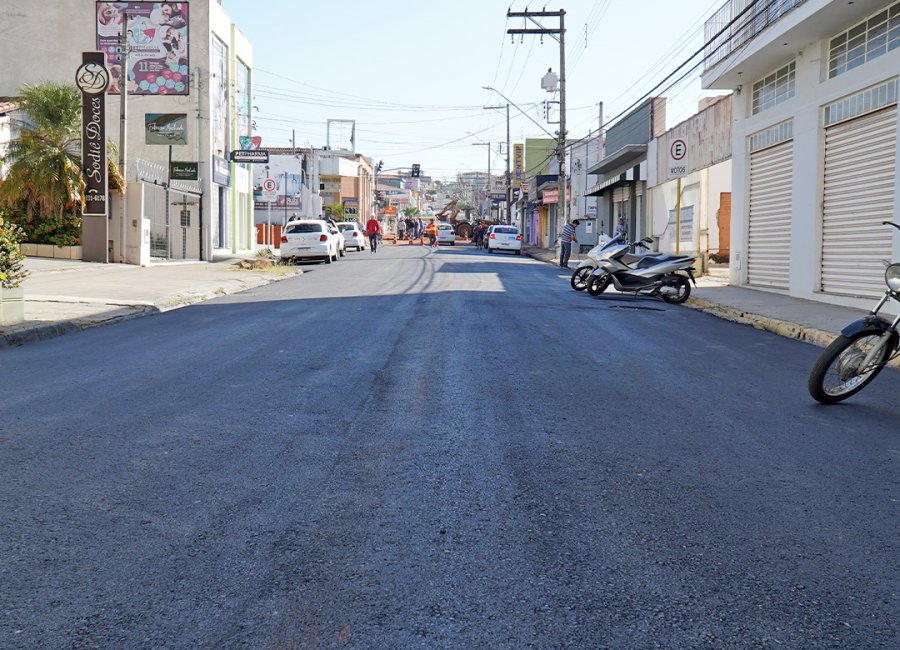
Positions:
{"x": 12, "y": 271}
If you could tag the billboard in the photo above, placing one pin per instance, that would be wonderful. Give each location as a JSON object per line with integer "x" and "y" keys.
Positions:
{"x": 158, "y": 61}
{"x": 165, "y": 128}
{"x": 518, "y": 164}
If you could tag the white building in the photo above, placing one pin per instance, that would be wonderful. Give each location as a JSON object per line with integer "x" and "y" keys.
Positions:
{"x": 815, "y": 143}
{"x": 203, "y": 92}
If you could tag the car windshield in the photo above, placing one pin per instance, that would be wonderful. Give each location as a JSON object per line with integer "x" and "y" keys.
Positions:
{"x": 303, "y": 227}
{"x": 346, "y": 226}
{"x": 507, "y": 231}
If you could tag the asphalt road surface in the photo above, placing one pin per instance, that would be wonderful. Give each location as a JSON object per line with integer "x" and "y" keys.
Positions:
{"x": 420, "y": 449}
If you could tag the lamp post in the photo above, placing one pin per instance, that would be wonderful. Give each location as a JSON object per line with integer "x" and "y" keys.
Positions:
{"x": 508, "y": 185}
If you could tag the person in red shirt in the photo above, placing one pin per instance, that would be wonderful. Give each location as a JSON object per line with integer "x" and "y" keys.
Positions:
{"x": 373, "y": 227}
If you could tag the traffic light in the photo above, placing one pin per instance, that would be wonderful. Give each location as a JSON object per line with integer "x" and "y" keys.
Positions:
{"x": 415, "y": 170}
{"x": 379, "y": 166}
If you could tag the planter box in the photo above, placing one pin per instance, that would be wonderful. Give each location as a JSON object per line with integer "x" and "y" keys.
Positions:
{"x": 12, "y": 306}
{"x": 55, "y": 252}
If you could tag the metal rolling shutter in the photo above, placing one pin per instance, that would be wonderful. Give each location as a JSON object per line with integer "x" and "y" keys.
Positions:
{"x": 771, "y": 201}
{"x": 859, "y": 194}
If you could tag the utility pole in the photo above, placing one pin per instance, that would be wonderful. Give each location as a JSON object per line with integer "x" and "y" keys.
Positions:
{"x": 508, "y": 178}
{"x": 561, "y": 38}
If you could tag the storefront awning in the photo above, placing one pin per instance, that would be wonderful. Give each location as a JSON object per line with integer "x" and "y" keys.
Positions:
{"x": 625, "y": 177}
{"x": 630, "y": 153}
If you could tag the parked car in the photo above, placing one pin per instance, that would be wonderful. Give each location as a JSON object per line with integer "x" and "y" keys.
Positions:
{"x": 446, "y": 234}
{"x": 354, "y": 235}
{"x": 310, "y": 239}
{"x": 504, "y": 238}
{"x": 342, "y": 243}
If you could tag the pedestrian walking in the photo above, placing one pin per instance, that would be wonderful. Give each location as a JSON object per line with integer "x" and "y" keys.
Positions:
{"x": 401, "y": 229}
{"x": 432, "y": 233}
{"x": 373, "y": 230}
{"x": 565, "y": 240}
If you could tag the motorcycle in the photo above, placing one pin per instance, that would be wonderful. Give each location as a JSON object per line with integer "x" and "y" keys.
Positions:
{"x": 582, "y": 272}
{"x": 657, "y": 274}
{"x": 861, "y": 351}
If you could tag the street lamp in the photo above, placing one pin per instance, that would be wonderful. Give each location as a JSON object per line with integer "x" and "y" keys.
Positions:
{"x": 508, "y": 179}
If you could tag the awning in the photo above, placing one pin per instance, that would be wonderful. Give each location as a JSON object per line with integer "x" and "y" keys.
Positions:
{"x": 625, "y": 177}
{"x": 630, "y": 153}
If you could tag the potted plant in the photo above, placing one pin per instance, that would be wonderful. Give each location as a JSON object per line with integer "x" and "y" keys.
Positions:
{"x": 12, "y": 272}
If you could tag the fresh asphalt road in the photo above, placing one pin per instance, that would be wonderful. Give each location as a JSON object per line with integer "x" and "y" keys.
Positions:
{"x": 420, "y": 449}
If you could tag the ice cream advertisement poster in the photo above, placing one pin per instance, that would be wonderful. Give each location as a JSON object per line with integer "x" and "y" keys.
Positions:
{"x": 157, "y": 46}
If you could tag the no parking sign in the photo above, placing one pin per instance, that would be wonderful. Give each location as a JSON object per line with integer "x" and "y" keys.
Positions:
{"x": 268, "y": 187}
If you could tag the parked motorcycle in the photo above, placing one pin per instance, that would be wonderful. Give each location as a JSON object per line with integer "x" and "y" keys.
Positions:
{"x": 861, "y": 351}
{"x": 582, "y": 272}
{"x": 658, "y": 274}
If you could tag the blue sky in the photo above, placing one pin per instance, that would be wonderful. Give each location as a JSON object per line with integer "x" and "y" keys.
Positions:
{"x": 411, "y": 74}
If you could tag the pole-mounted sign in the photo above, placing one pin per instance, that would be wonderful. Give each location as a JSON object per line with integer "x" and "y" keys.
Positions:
{"x": 92, "y": 78}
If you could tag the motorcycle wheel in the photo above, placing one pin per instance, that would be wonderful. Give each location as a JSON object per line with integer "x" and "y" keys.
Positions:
{"x": 684, "y": 292}
{"x": 597, "y": 284}
{"x": 580, "y": 278}
{"x": 835, "y": 377}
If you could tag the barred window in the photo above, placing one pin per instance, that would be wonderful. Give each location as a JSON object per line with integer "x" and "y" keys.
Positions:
{"x": 774, "y": 89}
{"x": 865, "y": 41}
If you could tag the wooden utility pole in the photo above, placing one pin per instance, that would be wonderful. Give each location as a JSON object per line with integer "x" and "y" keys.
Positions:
{"x": 559, "y": 34}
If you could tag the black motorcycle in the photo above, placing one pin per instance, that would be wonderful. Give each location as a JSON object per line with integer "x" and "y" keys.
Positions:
{"x": 862, "y": 350}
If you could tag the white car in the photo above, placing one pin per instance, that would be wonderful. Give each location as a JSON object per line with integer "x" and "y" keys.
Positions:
{"x": 310, "y": 239}
{"x": 446, "y": 234}
{"x": 504, "y": 238}
{"x": 354, "y": 235}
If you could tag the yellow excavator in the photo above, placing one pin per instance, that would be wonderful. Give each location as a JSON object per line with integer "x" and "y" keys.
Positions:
{"x": 462, "y": 227}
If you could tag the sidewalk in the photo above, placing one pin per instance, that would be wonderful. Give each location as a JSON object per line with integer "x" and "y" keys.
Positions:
{"x": 804, "y": 320}
{"x": 63, "y": 296}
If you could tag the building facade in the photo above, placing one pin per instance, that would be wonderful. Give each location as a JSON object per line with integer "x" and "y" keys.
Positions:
{"x": 815, "y": 143}
{"x": 189, "y": 80}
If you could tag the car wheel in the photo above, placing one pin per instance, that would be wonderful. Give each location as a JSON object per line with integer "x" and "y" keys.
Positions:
{"x": 343, "y": 252}
{"x": 328, "y": 258}
{"x": 518, "y": 252}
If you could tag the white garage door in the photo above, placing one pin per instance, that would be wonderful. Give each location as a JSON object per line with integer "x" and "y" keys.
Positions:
{"x": 860, "y": 164}
{"x": 771, "y": 202}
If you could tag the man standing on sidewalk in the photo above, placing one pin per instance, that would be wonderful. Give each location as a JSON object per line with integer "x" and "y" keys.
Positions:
{"x": 373, "y": 227}
{"x": 565, "y": 240}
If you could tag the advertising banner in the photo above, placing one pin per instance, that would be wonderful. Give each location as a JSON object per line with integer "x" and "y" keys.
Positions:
{"x": 158, "y": 62}
{"x": 518, "y": 164}
{"x": 165, "y": 128}
{"x": 93, "y": 78}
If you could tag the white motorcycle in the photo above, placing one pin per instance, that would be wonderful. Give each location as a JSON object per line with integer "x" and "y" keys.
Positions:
{"x": 654, "y": 274}
{"x": 582, "y": 272}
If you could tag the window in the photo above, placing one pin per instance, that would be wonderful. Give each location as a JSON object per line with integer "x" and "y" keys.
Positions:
{"x": 303, "y": 227}
{"x": 507, "y": 231}
{"x": 868, "y": 40}
{"x": 774, "y": 89}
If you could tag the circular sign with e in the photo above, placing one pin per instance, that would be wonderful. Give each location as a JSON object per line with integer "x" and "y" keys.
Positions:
{"x": 92, "y": 78}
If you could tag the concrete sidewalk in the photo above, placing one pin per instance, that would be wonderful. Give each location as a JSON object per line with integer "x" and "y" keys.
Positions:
{"x": 63, "y": 296}
{"x": 804, "y": 320}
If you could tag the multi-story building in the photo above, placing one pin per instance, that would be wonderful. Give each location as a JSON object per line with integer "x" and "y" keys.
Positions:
{"x": 815, "y": 142}
{"x": 184, "y": 104}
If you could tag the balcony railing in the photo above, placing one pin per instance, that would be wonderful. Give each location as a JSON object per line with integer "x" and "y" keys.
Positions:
{"x": 737, "y": 23}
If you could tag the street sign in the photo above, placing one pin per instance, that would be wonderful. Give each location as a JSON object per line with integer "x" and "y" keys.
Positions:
{"x": 250, "y": 156}
{"x": 183, "y": 171}
{"x": 678, "y": 158}
{"x": 269, "y": 187}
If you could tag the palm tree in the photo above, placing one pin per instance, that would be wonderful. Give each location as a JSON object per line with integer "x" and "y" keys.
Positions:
{"x": 44, "y": 173}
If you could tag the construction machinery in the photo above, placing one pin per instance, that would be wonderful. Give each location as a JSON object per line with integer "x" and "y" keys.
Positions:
{"x": 449, "y": 213}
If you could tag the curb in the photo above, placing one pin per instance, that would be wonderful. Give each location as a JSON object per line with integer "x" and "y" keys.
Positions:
{"x": 52, "y": 330}
{"x": 765, "y": 323}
